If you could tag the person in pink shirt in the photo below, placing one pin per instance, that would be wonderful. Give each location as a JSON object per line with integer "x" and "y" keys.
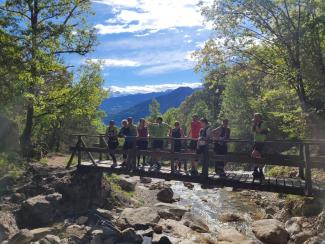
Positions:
{"x": 194, "y": 134}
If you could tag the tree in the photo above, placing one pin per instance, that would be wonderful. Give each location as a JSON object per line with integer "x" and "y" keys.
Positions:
{"x": 291, "y": 34}
{"x": 154, "y": 108}
{"x": 44, "y": 30}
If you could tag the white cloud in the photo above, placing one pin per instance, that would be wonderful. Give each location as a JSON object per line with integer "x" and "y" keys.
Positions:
{"x": 116, "y": 62}
{"x": 151, "y": 88}
{"x": 164, "y": 68}
{"x": 151, "y": 15}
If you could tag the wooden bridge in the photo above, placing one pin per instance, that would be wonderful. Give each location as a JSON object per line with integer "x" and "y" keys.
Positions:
{"x": 305, "y": 157}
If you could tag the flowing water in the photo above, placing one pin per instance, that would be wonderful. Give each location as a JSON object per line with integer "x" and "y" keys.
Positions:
{"x": 209, "y": 204}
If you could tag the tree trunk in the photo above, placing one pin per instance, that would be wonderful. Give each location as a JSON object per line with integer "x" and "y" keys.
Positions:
{"x": 26, "y": 137}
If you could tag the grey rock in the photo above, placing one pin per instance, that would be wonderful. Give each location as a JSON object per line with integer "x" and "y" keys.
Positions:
{"x": 138, "y": 218}
{"x": 165, "y": 195}
{"x": 230, "y": 217}
{"x": 39, "y": 211}
{"x": 301, "y": 237}
{"x": 105, "y": 213}
{"x": 127, "y": 184}
{"x": 195, "y": 223}
{"x": 145, "y": 180}
{"x": 51, "y": 239}
{"x": 270, "y": 231}
{"x": 24, "y": 236}
{"x": 233, "y": 236}
{"x": 130, "y": 235}
{"x": 39, "y": 233}
{"x": 293, "y": 225}
{"x": 82, "y": 220}
{"x": 8, "y": 226}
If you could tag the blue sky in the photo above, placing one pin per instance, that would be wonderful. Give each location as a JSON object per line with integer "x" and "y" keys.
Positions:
{"x": 146, "y": 45}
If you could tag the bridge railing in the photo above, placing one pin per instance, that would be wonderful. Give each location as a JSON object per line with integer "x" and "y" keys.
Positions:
{"x": 306, "y": 154}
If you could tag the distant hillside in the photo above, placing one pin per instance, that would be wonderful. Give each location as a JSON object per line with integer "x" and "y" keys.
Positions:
{"x": 113, "y": 105}
{"x": 140, "y": 110}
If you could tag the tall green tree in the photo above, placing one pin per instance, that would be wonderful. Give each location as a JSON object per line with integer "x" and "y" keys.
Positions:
{"x": 44, "y": 29}
{"x": 291, "y": 34}
{"x": 154, "y": 109}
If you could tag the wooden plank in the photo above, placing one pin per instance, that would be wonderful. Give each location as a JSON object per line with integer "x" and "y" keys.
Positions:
{"x": 308, "y": 180}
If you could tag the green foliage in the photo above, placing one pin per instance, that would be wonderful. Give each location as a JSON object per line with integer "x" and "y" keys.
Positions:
{"x": 38, "y": 92}
{"x": 154, "y": 108}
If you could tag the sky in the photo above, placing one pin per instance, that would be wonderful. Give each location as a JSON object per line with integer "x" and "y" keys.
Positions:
{"x": 146, "y": 45}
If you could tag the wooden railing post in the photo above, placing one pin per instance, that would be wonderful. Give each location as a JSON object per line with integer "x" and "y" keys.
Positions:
{"x": 301, "y": 155}
{"x": 205, "y": 161}
{"x": 79, "y": 149}
{"x": 172, "y": 162}
{"x": 308, "y": 180}
{"x": 101, "y": 144}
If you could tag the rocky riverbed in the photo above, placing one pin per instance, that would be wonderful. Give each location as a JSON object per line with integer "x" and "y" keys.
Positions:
{"x": 54, "y": 205}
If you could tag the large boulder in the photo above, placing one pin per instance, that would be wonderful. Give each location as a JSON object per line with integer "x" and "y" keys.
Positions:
{"x": 24, "y": 236}
{"x": 171, "y": 211}
{"x": 8, "y": 226}
{"x": 165, "y": 195}
{"x": 270, "y": 231}
{"x": 39, "y": 233}
{"x": 175, "y": 228}
{"x": 138, "y": 218}
{"x": 39, "y": 211}
{"x": 195, "y": 223}
{"x": 293, "y": 225}
{"x": 129, "y": 235}
{"x": 127, "y": 184}
{"x": 233, "y": 236}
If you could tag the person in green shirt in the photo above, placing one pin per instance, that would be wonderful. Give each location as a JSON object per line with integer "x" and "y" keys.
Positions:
{"x": 158, "y": 131}
{"x": 260, "y": 132}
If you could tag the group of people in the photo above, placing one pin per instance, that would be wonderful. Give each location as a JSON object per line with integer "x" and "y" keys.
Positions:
{"x": 199, "y": 136}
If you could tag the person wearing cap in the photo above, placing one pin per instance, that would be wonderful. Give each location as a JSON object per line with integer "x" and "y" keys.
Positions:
{"x": 260, "y": 131}
{"x": 111, "y": 135}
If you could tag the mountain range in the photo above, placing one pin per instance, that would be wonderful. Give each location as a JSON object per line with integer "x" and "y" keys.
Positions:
{"x": 137, "y": 105}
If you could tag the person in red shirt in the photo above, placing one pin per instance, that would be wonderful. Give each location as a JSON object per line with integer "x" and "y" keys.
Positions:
{"x": 194, "y": 134}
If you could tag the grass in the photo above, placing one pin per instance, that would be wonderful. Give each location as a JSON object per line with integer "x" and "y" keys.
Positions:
{"x": 117, "y": 191}
{"x": 11, "y": 168}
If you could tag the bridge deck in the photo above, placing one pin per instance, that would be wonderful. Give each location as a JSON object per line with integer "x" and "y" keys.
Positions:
{"x": 238, "y": 180}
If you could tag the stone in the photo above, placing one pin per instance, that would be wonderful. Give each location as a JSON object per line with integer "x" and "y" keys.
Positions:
{"x": 81, "y": 220}
{"x": 158, "y": 229}
{"x": 175, "y": 228}
{"x": 195, "y": 223}
{"x": 172, "y": 211}
{"x": 127, "y": 184}
{"x": 18, "y": 197}
{"x": 129, "y": 235}
{"x": 50, "y": 239}
{"x": 75, "y": 231}
{"x": 189, "y": 185}
{"x": 39, "y": 233}
{"x": 96, "y": 240}
{"x": 39, "y": 211}
{"x": 162, "y": 239}
{"x": 24, "y": 236}
{"x": 230, "y": 217}
{"x": 148, "y": 232}
{"x": 8, "y": 226}
{"x": 293, "y": 226}
{"x": 301, "y": 237}
{"x": 233, "y": 236}
{"x": 270, "y": 231}
{"x": 105, "y": 213}
{"x": 270, "y": 210}
{"x": 145, "y": 180}
{"x": 165, "y": 195}
{"x": 138, "y": 218}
